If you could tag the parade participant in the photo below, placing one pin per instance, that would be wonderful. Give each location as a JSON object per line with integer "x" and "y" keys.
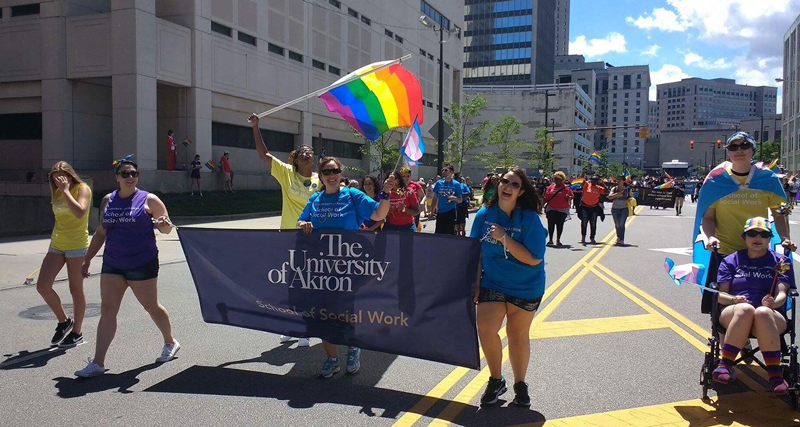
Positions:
{"x": 370, "y": 186}
{"x": 130, "y": 260}
{"x": 462, "y": 212}
{"x": 591, "y": 208}
{"x": 619, "y": 208}
{"x": 70, "y": 198}
{"x": 755, "y": 281}
{"x": 429, "y": 199}
{"x": 404, "y": 206}
{"x": 227, "y": 173}
{"x": 350, "y": 208}
{"x": 195, "y": 177}
{"x": 680, "y": 196}
{"x": 794, "y": 188}
{"x": 511, "y": 279}
{"x": 557, "y": 200}
{"x": 489, "y": 188}
{"x": 446, "y": 196}
{"x": 298, "y": 182}
{"x": 416, "y": 188}
{"x": 171, "y": 151}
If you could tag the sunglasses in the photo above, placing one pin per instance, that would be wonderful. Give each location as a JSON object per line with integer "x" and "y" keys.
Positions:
{"x": 128, "y": 174}
{"x": 737, "y": 147}
{"x": 515, "y": 185}
{"x": 328, "y": 172}
{"x": 763, "y": 234}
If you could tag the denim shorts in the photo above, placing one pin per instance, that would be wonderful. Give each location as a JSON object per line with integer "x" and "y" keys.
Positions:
{"x": 145, "y": 272}
{"x": 72, "y": 253}
{"x": 491, "y": 295}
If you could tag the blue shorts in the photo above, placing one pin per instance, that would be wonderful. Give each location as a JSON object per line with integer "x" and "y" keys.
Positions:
{"x": 72, "y": 253}
{"x": 145, "y": 272}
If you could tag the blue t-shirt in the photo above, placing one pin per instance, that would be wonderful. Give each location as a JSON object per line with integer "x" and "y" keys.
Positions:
{"x": 752, "y": 278}
{"x": 510, "y": 276}
{"x": 465, "y": 191}
{"x": 345, "y": 210}
{"x": 445, "y": 189}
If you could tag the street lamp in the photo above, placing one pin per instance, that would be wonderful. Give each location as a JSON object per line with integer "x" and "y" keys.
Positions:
{"x": 437, "y": 27}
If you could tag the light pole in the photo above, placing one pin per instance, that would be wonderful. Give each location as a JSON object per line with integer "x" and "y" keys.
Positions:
{"x": 437, "y": 27}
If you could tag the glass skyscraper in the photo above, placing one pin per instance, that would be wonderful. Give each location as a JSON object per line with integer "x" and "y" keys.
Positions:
{"x": 509, "y": 42}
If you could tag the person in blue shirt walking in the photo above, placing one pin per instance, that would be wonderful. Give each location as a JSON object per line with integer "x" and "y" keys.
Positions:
{"x": 337, "y": 208}
{"x": 446, "y": 197}
{"x": 462, "y": 212}
{"x": 511, "y": 278}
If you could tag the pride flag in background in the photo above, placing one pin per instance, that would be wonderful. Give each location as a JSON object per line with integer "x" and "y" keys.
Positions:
{"x": 668, "y": 184}
{"x": 595, "y": 158}
{"x": 774, "y": 166}
{"x": 575, "y": 184}
{"x": 210, "y": 165}
{"x": 414, "y": 146}
{"x": 627, "y": 176}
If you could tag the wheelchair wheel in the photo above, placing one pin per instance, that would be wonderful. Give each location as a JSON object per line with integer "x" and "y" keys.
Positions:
{"x": 705, "y": 374}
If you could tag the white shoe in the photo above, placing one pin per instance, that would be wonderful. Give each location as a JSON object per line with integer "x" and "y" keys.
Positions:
{"x": 303, "y": 342}
{"x": 168, "y": 352}
{"x": 91, "y": 370}
{"x": 286, "y": 338}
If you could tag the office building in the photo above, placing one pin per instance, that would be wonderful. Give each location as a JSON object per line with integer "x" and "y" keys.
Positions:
{"x": 562, "y": 27}
{"x": 509, "y": 42}
{"x": 652, "y": 119}
{"x": 769, "y": 124}
{"x": 790, "y": 141}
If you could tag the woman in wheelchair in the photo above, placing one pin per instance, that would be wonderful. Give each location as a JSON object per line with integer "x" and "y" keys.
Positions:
{"x": 754, "y": 299}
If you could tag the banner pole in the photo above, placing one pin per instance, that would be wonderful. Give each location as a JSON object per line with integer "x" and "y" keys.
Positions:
{"x": 333, "y": 86}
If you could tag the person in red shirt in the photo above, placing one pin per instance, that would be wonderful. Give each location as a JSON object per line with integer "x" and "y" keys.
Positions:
{"x": 557, "y": 198}
{"x": 591, "y": 208}
{"x": 416, "y": 188}
{"x": 225, "y": 167}
{"x": 170, "y": 151}
{"x": 404, "y": 206}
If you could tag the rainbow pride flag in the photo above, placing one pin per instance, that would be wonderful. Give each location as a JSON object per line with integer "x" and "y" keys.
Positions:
{"x": 378, "y": 101}
{"x": 774, "y": 166}
{"x": 668, "y": 184}
{"x": 210, "y": 165}
{"x": 595, "y": 158}
{"x": 627, "y": 176}
{"x": 576, "y": 184}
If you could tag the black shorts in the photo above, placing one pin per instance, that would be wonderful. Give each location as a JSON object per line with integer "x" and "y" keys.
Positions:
{"x": 491, "y": 295}
{"x": 446, "y": 222}
{"x": 195, "y": 174}
{"x": 146, "y": 272}
{"x": 462, "y": 214}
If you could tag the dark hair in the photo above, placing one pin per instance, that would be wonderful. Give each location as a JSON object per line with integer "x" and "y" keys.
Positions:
{"x": 293, "y": 155}
{"x": 125, "y": 162}
{"x": 528, "y": 200}
{"x": 169, "y": 132}
{"x": 450, "y": 167}
{"x": 399, "y": 178}
{"x": 374, "y": 183}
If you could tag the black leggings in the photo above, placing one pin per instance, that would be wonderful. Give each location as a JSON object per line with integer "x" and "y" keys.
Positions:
{"x": 555, "y": 221}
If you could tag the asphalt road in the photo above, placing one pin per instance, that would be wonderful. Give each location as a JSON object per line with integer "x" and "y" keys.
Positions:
{"x": 615, "y": 343}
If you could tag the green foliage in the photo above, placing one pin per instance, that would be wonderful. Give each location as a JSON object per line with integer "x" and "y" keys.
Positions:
{"x": 382, "y": 153}
{"x": 769, "y": 151}
{"x": 542, "y": 154}
{"x": 467, "y": 135}
{"x": 502, "y": 138}
{"x": 609, "y": 169}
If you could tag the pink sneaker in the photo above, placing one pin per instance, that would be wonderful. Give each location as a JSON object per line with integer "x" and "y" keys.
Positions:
{"x": 722, "y": 375}
{"x": 779, "y": 386}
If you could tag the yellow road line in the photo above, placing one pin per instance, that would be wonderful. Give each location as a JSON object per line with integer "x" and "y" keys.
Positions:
{"x": 605, "y": 325}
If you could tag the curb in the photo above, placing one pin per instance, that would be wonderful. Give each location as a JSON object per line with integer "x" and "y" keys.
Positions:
{"x": 218, "y": 218}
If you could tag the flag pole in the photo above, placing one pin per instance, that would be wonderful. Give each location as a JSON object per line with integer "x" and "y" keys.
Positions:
{"x": 333, "y": 86}
{"x": 405, "y": 140}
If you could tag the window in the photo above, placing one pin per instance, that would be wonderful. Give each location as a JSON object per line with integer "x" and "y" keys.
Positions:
{"x": 296, "y": 56}
{"x": 335, "y": 148}
{"x": 227, "y": 135}
{"x": 335, "y": 3}
{"x": 275, "y": 49}
{"x": 20, "y": 126}
{"x": 446, "y": 65}
{"x": 366, "y": 20}
{"x": 221, "y": 29}
{"x": 318, "y": 64}
{"x": 626, "y": 96}
{"x": 247, "y": 38}
{"x": 423, "y": 53}
{"x": 334, "y": 70}
{"x": 25, "y": 9}
{"x": 398, "y": 38}
{"x": 391, "y": 35}
{"x": 352, "y": 13}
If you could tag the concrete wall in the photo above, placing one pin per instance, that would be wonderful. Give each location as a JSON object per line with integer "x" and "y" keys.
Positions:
{"x": 674, "y": 145}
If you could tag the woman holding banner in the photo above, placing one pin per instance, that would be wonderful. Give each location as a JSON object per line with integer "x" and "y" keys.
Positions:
{"x": 511, "y": 279}
{"x": 335, "y": 208}
{"x": 404, "y": 206}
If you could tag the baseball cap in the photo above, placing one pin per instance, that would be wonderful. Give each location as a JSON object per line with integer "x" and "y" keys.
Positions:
{"x": 226, "y": 152}
{"x": 757, "y": 223}
{"x": 741, "y": 135}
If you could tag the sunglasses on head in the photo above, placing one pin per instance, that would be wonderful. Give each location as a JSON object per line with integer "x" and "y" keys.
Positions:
{"x": 128, "y": 174}
{"x": 328, "y": 172}
{"x": 763, "y": 234}
{"x": 737, "y": 147}
{"x": 515, "y": 185}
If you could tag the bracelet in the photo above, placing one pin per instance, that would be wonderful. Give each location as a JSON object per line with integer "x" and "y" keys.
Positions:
{"x": 383, "y": 196}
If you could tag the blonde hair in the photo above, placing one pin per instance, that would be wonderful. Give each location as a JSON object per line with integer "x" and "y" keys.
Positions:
{"x": 65, "y": 167}
{"x": 560, "y": 175}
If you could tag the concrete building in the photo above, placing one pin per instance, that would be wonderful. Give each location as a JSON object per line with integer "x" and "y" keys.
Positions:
{"x": 621, "y": 96}
{"x": 562, "y": 27}
{"x": 771, "y": 123}
{"x": 567, "y": 107}
{"x": 790, "y": 149}
{"x": 696, "y": 103}
{"x": 674, "y": 145}
{"x": 509, "y": 42}
{"x": 652, "y": 118}
{"x": 88, "y": 81}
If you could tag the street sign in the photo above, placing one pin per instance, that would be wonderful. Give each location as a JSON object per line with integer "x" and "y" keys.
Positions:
{"x": 447, "y": 130}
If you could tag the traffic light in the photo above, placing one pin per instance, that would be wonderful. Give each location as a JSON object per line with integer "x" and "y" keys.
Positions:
{"x": 643, "y": 132}
{"x": 608, "y": 133}
{"x": 719, "y": 143}
{"x": 691, "y": 145}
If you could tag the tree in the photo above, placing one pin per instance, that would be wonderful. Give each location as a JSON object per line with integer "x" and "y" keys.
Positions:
{"x": 769, "y": 151}
{"x": 467, "y": 135}
{"x": 593, "y": 168}
{"x": 542, "y": 154}
{"x": 382, "y": 153}
{"x": 508, "y": 148}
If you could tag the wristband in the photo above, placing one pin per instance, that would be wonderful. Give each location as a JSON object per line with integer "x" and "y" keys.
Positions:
{"x": 383, "y": 196}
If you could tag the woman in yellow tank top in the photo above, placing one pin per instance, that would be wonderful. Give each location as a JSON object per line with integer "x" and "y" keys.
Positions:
{"x": 70, "y": 198}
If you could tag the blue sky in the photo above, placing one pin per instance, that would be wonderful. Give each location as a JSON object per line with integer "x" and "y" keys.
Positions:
{"x": 737, "y": 39}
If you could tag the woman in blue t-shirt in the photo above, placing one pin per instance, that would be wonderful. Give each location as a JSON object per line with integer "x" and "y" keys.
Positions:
{"x": 512, "y": 278}
{"x": 754, "y": 281}
{"x": 337, "y": 208}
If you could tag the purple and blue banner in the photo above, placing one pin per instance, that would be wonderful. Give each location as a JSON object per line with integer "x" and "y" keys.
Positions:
{"x": 402, "y": 293}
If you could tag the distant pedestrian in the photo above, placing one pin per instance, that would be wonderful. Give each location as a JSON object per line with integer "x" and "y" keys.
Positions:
{"x": 227, "y": 174}
{"x": 70, "y": 198}
{"x": 171, "y": 151}
{"x": 680, "y": 196}
{"x": 462, "y": 212}
{"x": 418, "y": 190}
{"x": 591, "y": 207}
{"x": 557, "y": 200}
{"x": 446, "y": 196}
{"x": 195, "y": 177}
{"x": 489, "y": 188}
{"x": 370, "y": 187}
{"x": 619, "y": 208}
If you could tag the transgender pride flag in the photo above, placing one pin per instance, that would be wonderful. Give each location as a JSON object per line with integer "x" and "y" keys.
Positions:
{"x": 414, "y": 146}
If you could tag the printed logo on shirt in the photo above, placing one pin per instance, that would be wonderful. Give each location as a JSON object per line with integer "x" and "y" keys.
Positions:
{"x": 512, "y": 232}
{"x": 329, "y": 209}
{"x": 752, "y": 272}
{"x": 119, "y": 215}
{"x": 298, "y": 188}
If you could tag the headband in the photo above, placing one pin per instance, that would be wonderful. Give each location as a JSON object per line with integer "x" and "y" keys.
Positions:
{"x": 118, "y": 162}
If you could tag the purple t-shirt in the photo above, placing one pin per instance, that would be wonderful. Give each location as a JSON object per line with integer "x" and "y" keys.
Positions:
{"x": 130, "y": 241}
{"x": 752, "y": 278}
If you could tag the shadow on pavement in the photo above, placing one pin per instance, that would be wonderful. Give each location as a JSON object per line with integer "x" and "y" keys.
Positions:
{"x": 504, "y": 413}
{"x": 76, "y": 387}
{"x": 31, "y": 359}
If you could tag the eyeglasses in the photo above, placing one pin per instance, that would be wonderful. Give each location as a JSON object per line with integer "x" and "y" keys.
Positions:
{"x": 328, "y": 172}
{"x": 515, "y": 185}
{"x": 763, "y": 234}
{"x": 737, "y": 147}
{"x": 128, "y": 174}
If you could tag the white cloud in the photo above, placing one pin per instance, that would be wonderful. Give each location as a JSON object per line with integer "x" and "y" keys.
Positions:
{"x": 667, "y": 74}
{"x": 651, "y": 51}
{"x": 661, "y": 19}
{"x": 613, "y": 42}
{"x": 691, "y": 58}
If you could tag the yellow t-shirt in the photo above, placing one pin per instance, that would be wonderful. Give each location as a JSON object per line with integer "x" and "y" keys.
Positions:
{"x": 70, "y": 232}
{"x": 295, "y": 191}
{"x": 733, "y": 210}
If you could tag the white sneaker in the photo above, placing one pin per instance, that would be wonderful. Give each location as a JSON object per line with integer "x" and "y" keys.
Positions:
{"x": 91, "y": 370}
{"x": 303, "y": 342}
{"x": 286, "y": 338}
{"x": 168, "y": 352}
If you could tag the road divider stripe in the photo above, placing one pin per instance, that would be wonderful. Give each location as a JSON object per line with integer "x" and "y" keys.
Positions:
{"x": 605, "y": 325}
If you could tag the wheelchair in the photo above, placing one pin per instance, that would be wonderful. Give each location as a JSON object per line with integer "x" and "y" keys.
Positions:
{"x": 789, "y": 363}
